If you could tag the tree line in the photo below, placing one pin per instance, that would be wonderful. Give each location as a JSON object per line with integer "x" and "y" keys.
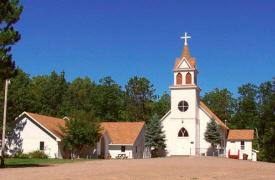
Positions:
{"x": 254, "y": 108}
{"x": 105, "y": 101}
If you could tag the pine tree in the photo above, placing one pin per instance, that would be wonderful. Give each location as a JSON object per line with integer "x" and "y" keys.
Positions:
{"x": 154, "y": 135}
{"x": 213, "y": 134}
{"x": 9, "y": 14}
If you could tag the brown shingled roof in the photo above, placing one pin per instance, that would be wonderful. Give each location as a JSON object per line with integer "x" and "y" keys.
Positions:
{"x": 213, "y": 115}
{"x": 243, "y": 134}
{"x": 50, "y": 123}
{"x": 123, "y": 132}
{"x": 186, "y": 54}
{"x": 120, "y": 132}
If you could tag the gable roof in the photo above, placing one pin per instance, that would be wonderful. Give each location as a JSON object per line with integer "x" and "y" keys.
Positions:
{"x": 49, "y": 123}
{"x": 243, "y": 134}
{"x": 123, "y": 132}
{"x": 120, "y": 132}
{"x": 213, "y": 115}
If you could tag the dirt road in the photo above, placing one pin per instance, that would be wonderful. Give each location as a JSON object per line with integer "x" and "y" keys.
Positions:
{"x": 157, "y": 168}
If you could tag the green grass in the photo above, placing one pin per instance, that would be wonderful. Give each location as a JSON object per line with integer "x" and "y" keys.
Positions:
{"x": 29, "y": 162}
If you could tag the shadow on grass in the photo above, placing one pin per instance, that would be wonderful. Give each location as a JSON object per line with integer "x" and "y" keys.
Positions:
{"x": 25, "y": 165}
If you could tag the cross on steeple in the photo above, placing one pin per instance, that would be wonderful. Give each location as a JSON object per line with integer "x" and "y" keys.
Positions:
{"x": 185, "y": 37}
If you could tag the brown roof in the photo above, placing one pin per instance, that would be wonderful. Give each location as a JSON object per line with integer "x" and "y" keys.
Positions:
{"x": 186, "y": 54}
{"x": 50, "y": 123}
{"x": 123, "y": 132}
{"x": 213, "y": 115}
{"x": 243, "y": 134}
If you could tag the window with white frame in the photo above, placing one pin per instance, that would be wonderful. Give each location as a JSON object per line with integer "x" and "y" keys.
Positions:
{"x": 242, "y": 145}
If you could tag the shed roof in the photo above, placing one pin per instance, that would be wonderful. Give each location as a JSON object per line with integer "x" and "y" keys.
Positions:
{"x": 240, "y": 134}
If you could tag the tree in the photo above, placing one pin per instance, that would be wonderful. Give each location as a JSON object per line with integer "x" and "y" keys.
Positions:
{"x": 107, "y": 99}
{"x": 266, "y": 125}
{"x": 139, "y": 99}
{"x": 163, "y": 105}
{"x": 78, "y": 96}
{"x": 221, "y": 103}
{"x": 154, "y": 136}
{"x": 80, "y": 131}
{"x": 53, "y": 94}
{"x": 9, "y": 14}
{"x": 247, "y": 113}
{"x": 213, "y": 134}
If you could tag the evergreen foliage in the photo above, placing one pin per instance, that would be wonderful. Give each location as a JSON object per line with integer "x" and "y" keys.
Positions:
{"x": 139, "y": 99}
{"x": 213, "y": 134}
{"x": 9, "y": 14}
{"x": 52, "y": 95}
{"x": 154, "y": 136}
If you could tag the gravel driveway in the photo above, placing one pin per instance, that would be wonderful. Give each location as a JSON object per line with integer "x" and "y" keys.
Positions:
{"x": 156, "y": 168}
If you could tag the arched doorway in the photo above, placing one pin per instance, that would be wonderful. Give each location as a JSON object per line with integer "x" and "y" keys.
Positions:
{"x": 183, "y": 142}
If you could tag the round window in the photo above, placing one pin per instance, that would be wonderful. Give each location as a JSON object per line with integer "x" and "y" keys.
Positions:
{"x": 183, "y": 106}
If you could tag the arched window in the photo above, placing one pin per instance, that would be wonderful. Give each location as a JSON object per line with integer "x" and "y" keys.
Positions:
{"x": 179, "y": 78}
{"x": 183, "y": 133}
{"x": 188, "y": 78}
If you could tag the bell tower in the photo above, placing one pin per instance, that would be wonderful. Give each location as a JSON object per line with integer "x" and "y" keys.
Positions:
{"x": 185, "y": 95}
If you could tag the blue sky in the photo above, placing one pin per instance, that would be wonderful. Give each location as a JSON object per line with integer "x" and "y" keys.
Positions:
{"x": 233, "y": 41}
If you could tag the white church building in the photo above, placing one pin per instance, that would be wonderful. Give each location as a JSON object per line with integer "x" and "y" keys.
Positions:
{"x": 186, "y": 122}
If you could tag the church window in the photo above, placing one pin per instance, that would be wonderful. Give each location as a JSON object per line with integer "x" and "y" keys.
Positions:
{"x": 183, "y": 106}
{"x": 242, "y": 145}
{"x": 188, "y": 78}
{"x": 183, "y": 133}
{"x": 179, "y": 78}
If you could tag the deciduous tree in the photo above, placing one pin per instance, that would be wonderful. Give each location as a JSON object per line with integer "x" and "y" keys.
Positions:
{"x": 221, "y": 103}
{"x": 80, "y": 131}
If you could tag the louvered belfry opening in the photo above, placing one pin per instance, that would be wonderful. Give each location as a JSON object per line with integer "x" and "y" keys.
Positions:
{"x": 179, "y": 78}
{"x": 188, "y": 78}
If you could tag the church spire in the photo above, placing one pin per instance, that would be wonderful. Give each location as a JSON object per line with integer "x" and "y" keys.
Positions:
{"x": 185, "y": 52}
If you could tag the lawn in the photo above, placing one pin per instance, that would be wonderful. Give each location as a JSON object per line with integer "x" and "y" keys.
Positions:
{"x": 18, "y": 162}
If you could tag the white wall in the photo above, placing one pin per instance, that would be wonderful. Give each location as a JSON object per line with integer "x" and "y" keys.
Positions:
{"x": 235, "y": 145}
{"x": 114, "y": 150}
{"x": 27, "y": 137}
{"x": 179, "y": 145}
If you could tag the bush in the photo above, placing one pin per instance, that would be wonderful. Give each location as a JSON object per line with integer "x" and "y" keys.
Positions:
{"x": 66, "y": 156}
{"x": 39, "y": 154}
{"x": 20, "y": 154}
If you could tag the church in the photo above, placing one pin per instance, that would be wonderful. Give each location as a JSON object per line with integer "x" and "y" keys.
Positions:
{"x": 185, "y": 124}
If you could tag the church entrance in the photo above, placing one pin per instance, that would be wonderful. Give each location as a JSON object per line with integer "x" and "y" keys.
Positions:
{"x": 183, "y": 144}
{"x": 183, "y": 147}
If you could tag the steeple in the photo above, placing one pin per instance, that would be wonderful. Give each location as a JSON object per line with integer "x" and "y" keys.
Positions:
{"x": 185, "y": 54}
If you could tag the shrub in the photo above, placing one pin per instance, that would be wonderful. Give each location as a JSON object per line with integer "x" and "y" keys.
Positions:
{"x": 39, "y": 154}
{"x": 20, "y": 154}
{"x": 66, "y": 156}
